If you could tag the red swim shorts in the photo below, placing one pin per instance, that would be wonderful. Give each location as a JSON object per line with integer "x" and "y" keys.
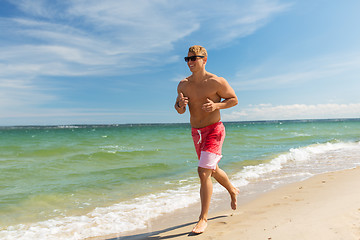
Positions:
{"x": 208, "y": 143}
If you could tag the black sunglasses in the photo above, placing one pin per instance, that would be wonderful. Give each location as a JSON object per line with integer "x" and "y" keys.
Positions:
{"x": 192, "y": 58}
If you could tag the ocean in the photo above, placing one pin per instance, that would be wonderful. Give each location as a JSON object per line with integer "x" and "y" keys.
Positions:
{"x": 76, "y": 182}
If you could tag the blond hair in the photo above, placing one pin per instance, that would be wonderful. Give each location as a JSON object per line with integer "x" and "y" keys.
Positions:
{"x": 198, "y": 50}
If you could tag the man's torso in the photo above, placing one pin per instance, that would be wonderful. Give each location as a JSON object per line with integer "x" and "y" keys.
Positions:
{"x": 198, "y": 92}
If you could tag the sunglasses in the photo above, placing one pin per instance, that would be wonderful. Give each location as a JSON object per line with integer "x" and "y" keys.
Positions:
{"x": 192, "y": 58}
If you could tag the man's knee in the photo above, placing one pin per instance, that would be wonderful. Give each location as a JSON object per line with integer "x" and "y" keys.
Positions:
{"x": 204, "y": 173}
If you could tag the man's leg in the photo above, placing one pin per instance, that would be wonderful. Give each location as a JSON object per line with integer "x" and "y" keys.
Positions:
{"x": 206, "y": 190}
{"x": 222, "y": 178}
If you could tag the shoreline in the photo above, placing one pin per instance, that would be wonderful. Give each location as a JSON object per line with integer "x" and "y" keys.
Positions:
{"x": 324, "y": 206}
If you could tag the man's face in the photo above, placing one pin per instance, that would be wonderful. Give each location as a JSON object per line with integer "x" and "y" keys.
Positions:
{"x": 197, "y": 64}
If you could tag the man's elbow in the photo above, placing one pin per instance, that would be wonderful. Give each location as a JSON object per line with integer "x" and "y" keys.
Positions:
{"x": 180, "y": 110}
{"x": 235, "y": 101}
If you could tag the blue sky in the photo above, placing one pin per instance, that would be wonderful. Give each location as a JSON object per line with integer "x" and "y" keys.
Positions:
{"x": 110, "y": 61}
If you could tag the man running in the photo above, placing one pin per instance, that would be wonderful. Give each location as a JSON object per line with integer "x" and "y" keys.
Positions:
{"x": 205, "y": 94}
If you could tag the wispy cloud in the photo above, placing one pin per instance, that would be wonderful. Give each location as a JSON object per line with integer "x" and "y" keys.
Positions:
{"x": 105, "y": 33}
{"x": 282, "y": 75}
{"x": 109, "y": 38}
{"x": 231, "y": 20}
{"x": 17, "y": 95}
{"x": 294, "y": 111}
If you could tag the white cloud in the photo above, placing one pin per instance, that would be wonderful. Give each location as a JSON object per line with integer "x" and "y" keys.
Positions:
{"x": 294, "y": 111}
{"x": 235, "y": 19}
{"x": 107, "y": 32}
{"x": 108, "y": 38}
{"x": 322, "y": 68}
{"x": 17, "y": 95}
{"x": 36, "y": 8}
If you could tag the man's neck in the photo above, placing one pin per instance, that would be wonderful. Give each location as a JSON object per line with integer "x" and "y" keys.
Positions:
{"x": 199, "y": 75}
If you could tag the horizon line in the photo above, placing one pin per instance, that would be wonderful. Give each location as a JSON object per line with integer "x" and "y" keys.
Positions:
{"x": 185, "y": 123}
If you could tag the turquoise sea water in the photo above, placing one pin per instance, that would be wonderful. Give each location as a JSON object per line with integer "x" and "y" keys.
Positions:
{"x": 74, "y": 182}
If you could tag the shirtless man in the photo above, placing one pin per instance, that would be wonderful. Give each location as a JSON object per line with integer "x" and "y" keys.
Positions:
{"x": 205, "y": 94}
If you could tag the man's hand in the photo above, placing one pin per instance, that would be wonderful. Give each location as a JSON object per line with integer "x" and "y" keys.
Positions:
{"x": 209, "y": 106}
{"x": 182, "y": 101}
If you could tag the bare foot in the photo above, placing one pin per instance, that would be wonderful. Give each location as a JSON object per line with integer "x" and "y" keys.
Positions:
{"x": 200, "y": 226}
{"x": 234, "y": 198}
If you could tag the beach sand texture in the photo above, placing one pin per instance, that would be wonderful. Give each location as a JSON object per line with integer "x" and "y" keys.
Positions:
{"x": 326, "y": 206}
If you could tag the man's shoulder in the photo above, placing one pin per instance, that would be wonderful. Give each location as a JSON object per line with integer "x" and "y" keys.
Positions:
{"x": 185, "y": 80}
{"x": 215, "y": 79}
{"x": 183, "y": 83}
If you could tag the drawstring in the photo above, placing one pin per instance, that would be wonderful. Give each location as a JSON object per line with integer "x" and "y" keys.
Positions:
{"x": 200, "y": 136}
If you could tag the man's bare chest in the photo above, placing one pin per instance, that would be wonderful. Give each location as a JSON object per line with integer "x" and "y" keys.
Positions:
{"x": 199, "y": 92}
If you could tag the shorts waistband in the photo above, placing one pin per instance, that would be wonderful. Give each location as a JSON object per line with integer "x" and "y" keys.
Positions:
{"x": 208, "y": 127}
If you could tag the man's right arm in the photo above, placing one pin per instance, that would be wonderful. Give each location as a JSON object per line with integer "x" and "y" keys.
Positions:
{"x": 181, "y": 102}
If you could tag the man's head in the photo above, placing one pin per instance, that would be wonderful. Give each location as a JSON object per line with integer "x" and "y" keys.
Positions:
{"x": 197, "y": 58}
{"x": 198, "y": 50}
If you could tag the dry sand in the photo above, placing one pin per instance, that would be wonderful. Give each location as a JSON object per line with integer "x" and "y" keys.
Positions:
{"x": 325, "y": 206}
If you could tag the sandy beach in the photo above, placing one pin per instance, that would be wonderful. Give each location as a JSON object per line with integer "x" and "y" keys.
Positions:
{"x": 326, "y": 206}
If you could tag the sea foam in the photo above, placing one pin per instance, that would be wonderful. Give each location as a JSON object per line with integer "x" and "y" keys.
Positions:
{"x": 306, "y": 161}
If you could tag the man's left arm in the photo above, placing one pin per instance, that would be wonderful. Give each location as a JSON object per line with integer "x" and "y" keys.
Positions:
{"x": 226, "y": 92}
